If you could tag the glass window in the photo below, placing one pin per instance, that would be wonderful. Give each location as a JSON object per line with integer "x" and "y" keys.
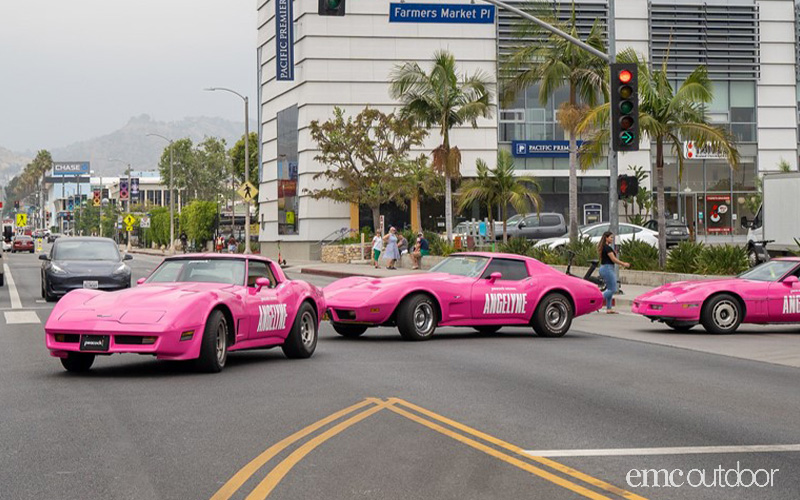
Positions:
{"x": 593, "y": 185}
{"x": 466, "y": 265}
{"x": 230, "y": 271}
{"x": 561, "y": 163}
{"x": 744, "y": 177}
{"x": 595, "y": 231}
{"x": 718, "y": 176}
{"x": 259, "y": 269}
{"x": 769, "y": 271}
{"x": 560, "y": 184}
{"x": 85, "y": 250}
{"x": 532, "y": 221}
{"x": 743, "y": 95}
{"x": 550, "y": 220}
{"x": 720, "y": 102}
{"x": 512, "y": 270}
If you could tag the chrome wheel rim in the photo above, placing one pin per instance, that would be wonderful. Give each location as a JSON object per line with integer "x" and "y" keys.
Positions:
{"x": 556, "y": 315}
{"x": 752, "y": 258}
{"x": 423, "y": 318}
{"x": 308, "y": 330}
{"x": 725, "y": 314}
{"x": 222, "y": 343}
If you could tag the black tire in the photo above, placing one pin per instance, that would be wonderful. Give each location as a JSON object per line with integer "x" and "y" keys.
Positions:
{"x": 417, "y": 317}
{"x": 679, "y": 327}
{"x": 77, "y": 362}
{"x": 553, "y": 316}
{"x": 752, "y": 257}
{"x": 721, "y": 314}
{"x": 487, "y": 330}
{"x": 49, "y": 297}
{"x": 350, "y": 331}
{"x": 214, "y": 344}
{"x": 2, "y": 279}
{"x": 599, "y": 282}
{"x": 302, "y": 339}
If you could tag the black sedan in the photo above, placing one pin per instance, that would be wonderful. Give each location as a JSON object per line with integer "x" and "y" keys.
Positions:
{"x": 83, "y": 263}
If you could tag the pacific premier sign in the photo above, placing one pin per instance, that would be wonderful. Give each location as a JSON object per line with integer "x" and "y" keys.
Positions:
{"x": 284, "y": 40}
{"x": 541, "y": 149}
{"x": 70, "y": 167}
{"x": 441, "y": 13}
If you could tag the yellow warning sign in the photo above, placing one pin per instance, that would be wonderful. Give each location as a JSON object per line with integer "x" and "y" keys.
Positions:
{"x": 22, "y": 220}
{"x": 129, "y": 220}
{"x": 247, "y": 191}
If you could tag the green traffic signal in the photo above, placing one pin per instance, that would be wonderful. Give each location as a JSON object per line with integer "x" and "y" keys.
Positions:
{"x": 626, "y": 137}
{"x": 334, "y": 4}
{"x": 626, "y": 107}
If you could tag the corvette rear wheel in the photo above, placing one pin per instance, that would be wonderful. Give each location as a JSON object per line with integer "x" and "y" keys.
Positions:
{"x": 214, "y": 345}
{"x": 78, "y": 362}
{"x": 417, "y": 317}
{"x": 302, "y": 340}
{"x": 350, "y": 331}
{"x": 721, "y": 314}
{"x": 487, "y": 330}
{"x": 553, "y": 316}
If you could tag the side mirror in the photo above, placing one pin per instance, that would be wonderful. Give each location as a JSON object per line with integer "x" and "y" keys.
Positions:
{"x": 521, "y": 224}
{"x": 744, "y": 222}
{"x": 128, "y": 257}
{"x": 790, "y": 280}
{"x": 261, "y": 283}
{"x": 494, "y": 277}
{"x": 140, "y": 281}
{"x": 44, "y": 256}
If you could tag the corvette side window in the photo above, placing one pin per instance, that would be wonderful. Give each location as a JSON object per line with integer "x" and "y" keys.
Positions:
{"x": 512, "y": 270}
{"x": 259, "y": 269}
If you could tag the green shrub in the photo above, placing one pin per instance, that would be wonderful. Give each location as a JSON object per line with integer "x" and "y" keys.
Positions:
{"x": 683, "y": 258}
{"x": 516, "y": 245}
{"x": 722, "y": 260}
{"x": 547, "y": 255}
{"x": 440, "y": 246}
{"x": 641, "y": 256}
{"x": 585, "y": 251}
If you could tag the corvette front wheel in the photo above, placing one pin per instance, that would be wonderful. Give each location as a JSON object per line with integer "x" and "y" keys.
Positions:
{"x": 553, "y": 316}
{"x": 214, "y": 346}
{"x": 721, "y": 314}
{"x": 302, "y": 340}
{"x": 417, "y": 317}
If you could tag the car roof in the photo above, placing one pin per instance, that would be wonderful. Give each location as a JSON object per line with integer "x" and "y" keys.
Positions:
{"x": 236, "y": 256}
{"x": 89, "y": 239}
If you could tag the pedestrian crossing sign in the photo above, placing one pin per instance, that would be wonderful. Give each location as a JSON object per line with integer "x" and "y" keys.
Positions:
{"x": 247, "y": 191}
{"x": 22, "y": 220}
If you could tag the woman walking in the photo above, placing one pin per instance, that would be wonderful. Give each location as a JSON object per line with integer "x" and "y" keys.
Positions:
{"x": 391, "y": 252}
{"x": 608, "y": 257}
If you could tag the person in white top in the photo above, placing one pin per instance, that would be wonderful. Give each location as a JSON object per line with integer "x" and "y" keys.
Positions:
{"x": 377, "y": 247}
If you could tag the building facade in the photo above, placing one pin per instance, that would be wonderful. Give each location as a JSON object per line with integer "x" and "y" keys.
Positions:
{"x": 748, "y": 46}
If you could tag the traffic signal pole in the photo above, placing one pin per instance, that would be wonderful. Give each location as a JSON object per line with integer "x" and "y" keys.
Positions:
{"x": 613, "y": 158}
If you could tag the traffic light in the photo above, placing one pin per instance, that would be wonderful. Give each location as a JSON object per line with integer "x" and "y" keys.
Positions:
{"x": 331, "y": 7}
{"x": 96, "y": 200}
{"x": 625, "y": 107}
{"x": 627, "y": 186}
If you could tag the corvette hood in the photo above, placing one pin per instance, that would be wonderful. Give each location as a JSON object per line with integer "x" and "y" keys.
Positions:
{"x": 362, "y": 287}
{"x": 676, "y": 291}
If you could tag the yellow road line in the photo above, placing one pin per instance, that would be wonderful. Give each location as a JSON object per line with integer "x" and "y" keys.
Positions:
{"x": 275, "y": 476}
{"x": 502, "y": 456}
{"x": 519, "y": 451}
{"x": 234, "y": 483}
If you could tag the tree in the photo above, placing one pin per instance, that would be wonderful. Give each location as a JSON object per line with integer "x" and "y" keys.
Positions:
{"x": 200, "y": 171}
{"x": 642, "y": 202}
{"x": 445, "y": 99}
{"x": 159, "y": 226}
{"x": 500, "y": 187}
{"x": 198, "y": 220}
{"x": 364, "y": 157}
{"x": 481, "y": 189}
{"x": 553, "y": 64}
{"x": 237, "y": 156}
{"x": 667, "y": 117}
{"x": 420, "y": 180}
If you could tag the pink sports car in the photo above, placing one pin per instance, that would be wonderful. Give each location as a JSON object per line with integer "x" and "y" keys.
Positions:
{"x": 485, "y": 291}
{"x": 195, "y": 306}
{"x": 769, "y": 293}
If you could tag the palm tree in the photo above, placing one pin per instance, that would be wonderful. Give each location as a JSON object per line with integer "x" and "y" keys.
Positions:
{"x": 499, "y": 186}
{"x": 420, "y": 180}
{"x": 553, "y": 64}
{"x": 445, "y": 99}
{"x": 667, "y": 117}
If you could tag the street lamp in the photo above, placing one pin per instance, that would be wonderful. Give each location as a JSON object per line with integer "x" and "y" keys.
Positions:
{"x": 246, "y": 161}
{"x": 128, "y": 171}
{"x": 171, "y": 197}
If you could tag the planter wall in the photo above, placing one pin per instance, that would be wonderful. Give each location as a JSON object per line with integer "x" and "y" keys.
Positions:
{"x": 645, "y": 278}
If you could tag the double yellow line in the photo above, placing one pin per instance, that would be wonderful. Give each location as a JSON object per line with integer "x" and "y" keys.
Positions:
{"x": 424, "y": 417}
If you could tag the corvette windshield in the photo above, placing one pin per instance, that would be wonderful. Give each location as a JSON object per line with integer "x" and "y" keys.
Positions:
{"x": 230, "y": 271}
{"x": 769, "y": 271}
{"x": 466, "y": 265}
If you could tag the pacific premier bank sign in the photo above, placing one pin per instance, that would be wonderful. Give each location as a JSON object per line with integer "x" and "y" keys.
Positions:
{"x": 441, "y": 13}
{"x": 284, "y": 40}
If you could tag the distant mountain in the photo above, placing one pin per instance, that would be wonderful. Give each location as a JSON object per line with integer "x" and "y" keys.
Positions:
{"x": 11, "y": 163}
{"x": 131, "y": 144}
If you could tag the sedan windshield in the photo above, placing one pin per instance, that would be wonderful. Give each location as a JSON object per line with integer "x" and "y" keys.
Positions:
{"x": 85, "y": 250}
{"x": 466, "y": 265}
{"x": 769, "y": 271}
{"x": 230, "y": 271}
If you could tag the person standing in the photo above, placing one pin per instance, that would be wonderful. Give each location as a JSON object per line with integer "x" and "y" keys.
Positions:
{"x": 232, "y": 245}
{"x": 391, "y": 252}
{"x": 377, "y": 247}
{"x": 608, "y": 257}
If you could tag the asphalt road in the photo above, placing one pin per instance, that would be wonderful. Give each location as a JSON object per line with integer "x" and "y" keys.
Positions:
{"x": 467, "y": 407}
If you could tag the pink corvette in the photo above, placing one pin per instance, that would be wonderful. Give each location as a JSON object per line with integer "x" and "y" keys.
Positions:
{"x": 484, "y": 291}
{"x": 195, "y": 307}
{"x": 769, "y": 293}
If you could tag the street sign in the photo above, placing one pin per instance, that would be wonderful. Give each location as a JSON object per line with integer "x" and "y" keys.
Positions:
{"x": 129, "y": 220}
{"x": 22, "y": 220}
{"x": 541, "y": 149}
{"x": 441, "y": 13}
{"x": 247, "y": 191}
{"x": 123, "y": 190}
{"x": 70, "y": 167}
{"x": 144, "y": 222}
{"x": 284, "y": 40}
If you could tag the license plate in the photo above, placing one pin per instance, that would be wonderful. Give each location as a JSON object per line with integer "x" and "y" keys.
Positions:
{"x": 90, "y": 284}
{"x": 94, "y": 342}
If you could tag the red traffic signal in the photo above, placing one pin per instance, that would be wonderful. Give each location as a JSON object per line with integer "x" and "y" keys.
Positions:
{"x": 627, "y": 186}
{"x": 624, "y": 107}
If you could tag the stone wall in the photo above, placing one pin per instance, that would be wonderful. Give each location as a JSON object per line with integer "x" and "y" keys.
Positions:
{"x": 343, "y": 254}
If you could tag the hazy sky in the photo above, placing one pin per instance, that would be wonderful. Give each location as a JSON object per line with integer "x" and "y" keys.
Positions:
{"x": 75, "y": 69}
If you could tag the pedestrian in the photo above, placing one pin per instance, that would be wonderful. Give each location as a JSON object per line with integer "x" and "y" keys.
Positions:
{"x": 608, "y": 257}
{"x": 421, "y": 248}
{"x": 391, "y": 252}
{"x": 183, "y": 241}
{"x": 220, "y": 244}
{"x": 232, "y": 245}
{"x": 402, "y": 244}
{"x": 377, "y": 247}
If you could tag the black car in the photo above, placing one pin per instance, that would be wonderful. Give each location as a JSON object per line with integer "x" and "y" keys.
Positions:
{"x": 53, "y": 237}
{"x": 676, "y": 230}
{"x": 83, "y": 262}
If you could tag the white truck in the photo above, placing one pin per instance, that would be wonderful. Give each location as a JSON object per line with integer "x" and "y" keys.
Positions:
{"x": 778, "y": 219}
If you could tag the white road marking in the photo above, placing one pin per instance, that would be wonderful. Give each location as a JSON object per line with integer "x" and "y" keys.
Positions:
{"x": 16, "y": 303}
{"x": 685, "y": 450}
{"x": 21, "y": 317}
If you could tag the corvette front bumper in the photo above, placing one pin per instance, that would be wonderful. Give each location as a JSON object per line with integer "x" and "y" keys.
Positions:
{"x": 667, "y": 311}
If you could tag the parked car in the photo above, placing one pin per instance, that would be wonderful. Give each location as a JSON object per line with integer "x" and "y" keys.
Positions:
{"x": 22, "y": 243}
{"x": 677, "y": 231}
{"x": 53, "y": 237}
{"x": 595, "y": 231}
{"x": 535, "y": 226}
{"x": 192, "y": 307}
{"x": 483, "y": 291}
{"x": 83, "y": 262}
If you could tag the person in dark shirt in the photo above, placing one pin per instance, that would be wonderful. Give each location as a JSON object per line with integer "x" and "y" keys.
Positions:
{"x": 608, "y": 257}
{"x": 420, "y": 248}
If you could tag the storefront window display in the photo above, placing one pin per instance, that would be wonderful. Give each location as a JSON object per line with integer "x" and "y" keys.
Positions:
{"x": 288, "y": 200}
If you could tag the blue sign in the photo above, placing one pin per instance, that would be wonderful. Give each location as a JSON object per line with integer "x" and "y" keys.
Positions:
{"x": 441, "y": 13}
{"x": 70, "y": 167}
{"x": 541, "y": 149}
{"x": 284, "y": 40}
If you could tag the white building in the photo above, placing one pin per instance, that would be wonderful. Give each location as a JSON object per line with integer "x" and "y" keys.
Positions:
{"x": 749, "y": 47}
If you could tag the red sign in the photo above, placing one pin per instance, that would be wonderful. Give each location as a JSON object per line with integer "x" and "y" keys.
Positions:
{"x": 287, "y": 189}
